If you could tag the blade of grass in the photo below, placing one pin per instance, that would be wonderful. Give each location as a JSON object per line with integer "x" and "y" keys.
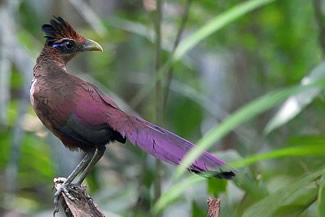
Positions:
{"x": 243, "y": 115}
{"x": 217, "y": 23}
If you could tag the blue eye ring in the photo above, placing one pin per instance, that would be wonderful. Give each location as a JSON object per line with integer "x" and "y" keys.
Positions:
{"x": 67, "y": 44}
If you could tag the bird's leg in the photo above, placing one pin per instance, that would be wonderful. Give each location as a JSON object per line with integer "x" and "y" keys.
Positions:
{"x": 80, "y": 167}
{"x": 99, "y": 152}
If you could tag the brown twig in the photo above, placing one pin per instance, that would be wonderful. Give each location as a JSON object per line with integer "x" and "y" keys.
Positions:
{"x": 83, "y": 206}
{"x": 214, "y": 207}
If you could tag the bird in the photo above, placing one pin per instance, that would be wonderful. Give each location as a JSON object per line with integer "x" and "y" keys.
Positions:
{"x": 84, "y": 118}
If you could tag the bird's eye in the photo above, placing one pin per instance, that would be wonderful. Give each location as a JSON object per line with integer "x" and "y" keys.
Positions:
{"x": 69, "y": 45}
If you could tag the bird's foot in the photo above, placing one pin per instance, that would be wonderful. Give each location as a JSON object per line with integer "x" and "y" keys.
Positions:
{"x": 63, "y": 187}
{"x": 78, "y": 187}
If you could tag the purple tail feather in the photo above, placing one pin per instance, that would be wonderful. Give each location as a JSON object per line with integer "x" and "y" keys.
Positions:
{"x": 171, "y": 148}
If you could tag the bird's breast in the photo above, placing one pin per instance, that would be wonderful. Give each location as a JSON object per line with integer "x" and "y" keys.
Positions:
{"x": 43, "y": 99}
{"x": 38, "y": 91}
{"x": 32, "y": 91}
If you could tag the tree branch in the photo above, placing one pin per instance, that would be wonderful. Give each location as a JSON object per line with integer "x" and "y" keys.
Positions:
{"x": 83, "y": 206}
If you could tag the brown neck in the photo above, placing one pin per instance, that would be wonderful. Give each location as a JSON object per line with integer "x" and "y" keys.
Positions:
{"x": 49, "y": 60}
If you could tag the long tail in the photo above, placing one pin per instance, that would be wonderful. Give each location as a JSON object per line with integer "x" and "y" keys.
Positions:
{"x": 167, "y": 146}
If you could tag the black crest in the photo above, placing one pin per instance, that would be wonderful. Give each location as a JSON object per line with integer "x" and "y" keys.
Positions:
{"x": 58, "y": 29}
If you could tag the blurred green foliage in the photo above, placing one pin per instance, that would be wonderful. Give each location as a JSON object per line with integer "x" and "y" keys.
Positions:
{"x": 254, "y": 54}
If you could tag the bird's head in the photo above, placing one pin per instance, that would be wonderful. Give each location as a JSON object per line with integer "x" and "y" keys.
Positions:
{"x": 62, "y": 38}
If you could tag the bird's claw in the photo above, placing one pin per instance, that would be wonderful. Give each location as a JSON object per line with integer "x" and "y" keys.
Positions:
{"x": 66, "y": 189}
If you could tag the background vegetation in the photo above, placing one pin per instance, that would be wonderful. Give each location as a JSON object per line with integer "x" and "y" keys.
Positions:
{"x": 242, "y": 78}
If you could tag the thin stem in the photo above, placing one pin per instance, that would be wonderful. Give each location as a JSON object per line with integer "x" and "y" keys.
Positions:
{"x": 159, "y": 96}
{"x": 177, "y": 40}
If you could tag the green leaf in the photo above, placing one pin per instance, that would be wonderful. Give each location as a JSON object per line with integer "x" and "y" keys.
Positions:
{"x": 321, "y": 197}
{"x": 243, "y": 115}
{"x": 271, "y": 203}
{"x": 295, "y": 104}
